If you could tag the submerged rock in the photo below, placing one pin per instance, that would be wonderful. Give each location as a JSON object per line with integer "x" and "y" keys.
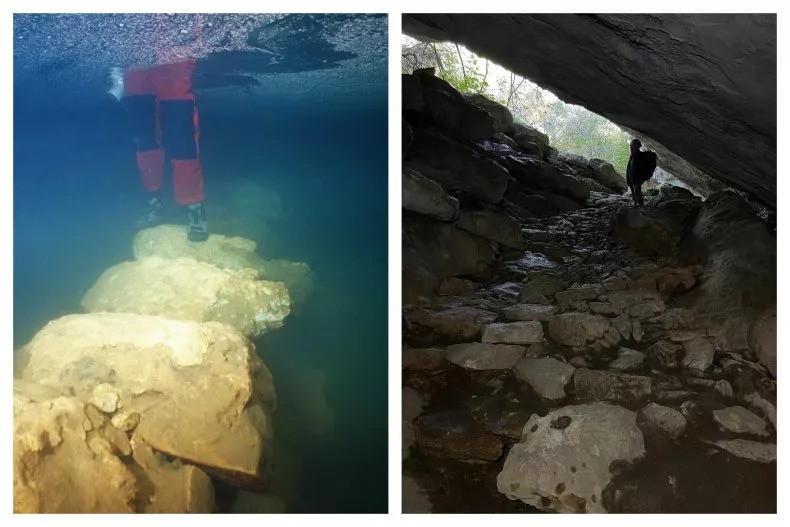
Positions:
{"x": 186, "y": 289}
{"x": 562, "y": 462}
{"x": 201, "y": 392}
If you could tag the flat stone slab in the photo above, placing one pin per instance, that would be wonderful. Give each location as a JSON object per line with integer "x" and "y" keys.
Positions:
{"x": 751, "y": 450}
{"x": 538, "y": 312}
{"x": 609, "y": 386}
{"x": 547, "y": 376}
{"x": 513, "y": 332}
{"x": 739, "y": 420}
{"x": 485, "y": 356}
{"x": 576, "y": 329}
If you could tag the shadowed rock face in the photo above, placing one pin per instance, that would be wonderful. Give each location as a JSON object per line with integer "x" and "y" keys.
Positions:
{"x": 703, "y": 86}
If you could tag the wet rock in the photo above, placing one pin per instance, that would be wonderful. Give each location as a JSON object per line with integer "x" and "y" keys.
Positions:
{"x": 565, "y": 469}
{"x": 190, "y": 290}
{"x": 547, "y": 376}
{"x": 601, "y": 385}
{"x": 422, "y": 358}
{"x": 494, "y": 226}
{"x": 627, "y": 360}
{"x": 751, "y": 450}
{"x": 456, "y": 166}
{"x": 762, "y": 339}
{"x": 125, "y": 420}
{"x": 453, "y": 324}
{"x": 426, "y": 196}
{"x": 576, "y": 329}
{"x": 457, "y": 435}
{"x": 484, "y": 356}
{"x": 526, "y": 312}
{"x": 546, "y": 285}
{"x": 505, "y": 140}
{"x": 202, "y": 394}
{"x": 513, "y": 332}
{"x": 739, "y": 420}
{"x": 699, "y": 354}
{"x": 663, "y": 419}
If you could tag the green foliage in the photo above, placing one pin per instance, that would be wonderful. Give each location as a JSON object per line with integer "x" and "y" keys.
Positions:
{"x": 570, "y": 128}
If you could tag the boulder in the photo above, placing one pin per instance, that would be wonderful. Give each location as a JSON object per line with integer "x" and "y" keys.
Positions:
{"x": 455, "y": 434}
{"x": 534, "y": 173}
{"x": 576, "y": 329}
{"x": 513, "y": 332}
{"x": 503, "y": 119}
{"x": 636, "y": 303}
{"x": 606, "y": 175}
{"x": 699, "y": 354}
{"x": 538, "y": 312}
{"x": 201, "y": 392}
{"x": 457, "y": 167}
{"x": 662, "y": 419}
{"x": 546, "y": 376}
{"x": 608, "y": 386}
{"x": 545, "y": 284}
{"x": 627, "y": 360}
{"x": 234, "y": 253}
{"x": 185, "y": 289}
{"x": 484, "y": 356}
{"x": 495, "y": 226}
{"x": 426, "y": 196}
{"x": 448, "y": 109}
{"x": 452, "y": 324}
{"x": 434, "y": 250}
{"x": 649, "y": 230}
{"x": 562, "y": 462}
{"x": 738, "y": 251}
{"x": 525, "y": 135}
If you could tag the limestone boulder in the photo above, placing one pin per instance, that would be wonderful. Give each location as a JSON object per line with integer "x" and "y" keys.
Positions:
{"x": 426, "y": 196}
{"x": 185, "y": 289}
{"x": 562, "y": 462}
{"x": 201, "y": 392}
{"x": 225, "y": 252}
{"x": 662, "y": 419}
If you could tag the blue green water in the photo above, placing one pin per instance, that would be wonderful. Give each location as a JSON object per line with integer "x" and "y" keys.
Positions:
{"x": 319, "y": 157}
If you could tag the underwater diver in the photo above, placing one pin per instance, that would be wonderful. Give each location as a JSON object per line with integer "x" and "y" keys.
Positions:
{"x": 164, "y": 122}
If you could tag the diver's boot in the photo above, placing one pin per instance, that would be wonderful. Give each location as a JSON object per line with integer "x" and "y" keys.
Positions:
{"x": 198, "y": 231}
{"x": 153, "y": 217}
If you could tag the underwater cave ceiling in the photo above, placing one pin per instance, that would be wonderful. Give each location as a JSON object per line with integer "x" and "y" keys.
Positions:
{"x": 703, "y": 86}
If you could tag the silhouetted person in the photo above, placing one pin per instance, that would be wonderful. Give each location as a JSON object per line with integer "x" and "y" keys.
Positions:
{"x": 641, "y": 166}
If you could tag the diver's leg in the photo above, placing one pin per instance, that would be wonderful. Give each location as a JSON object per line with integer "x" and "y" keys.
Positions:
{"x": 140, "y": 99}
{"x": 639, "y": 199}
{"x": 180, "y": 136}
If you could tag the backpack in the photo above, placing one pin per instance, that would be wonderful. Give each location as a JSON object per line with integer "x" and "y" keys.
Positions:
{"x": 648, "y": 161}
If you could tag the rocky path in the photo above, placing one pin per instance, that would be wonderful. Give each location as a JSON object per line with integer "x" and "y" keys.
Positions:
{"x": 564, "y": 351}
